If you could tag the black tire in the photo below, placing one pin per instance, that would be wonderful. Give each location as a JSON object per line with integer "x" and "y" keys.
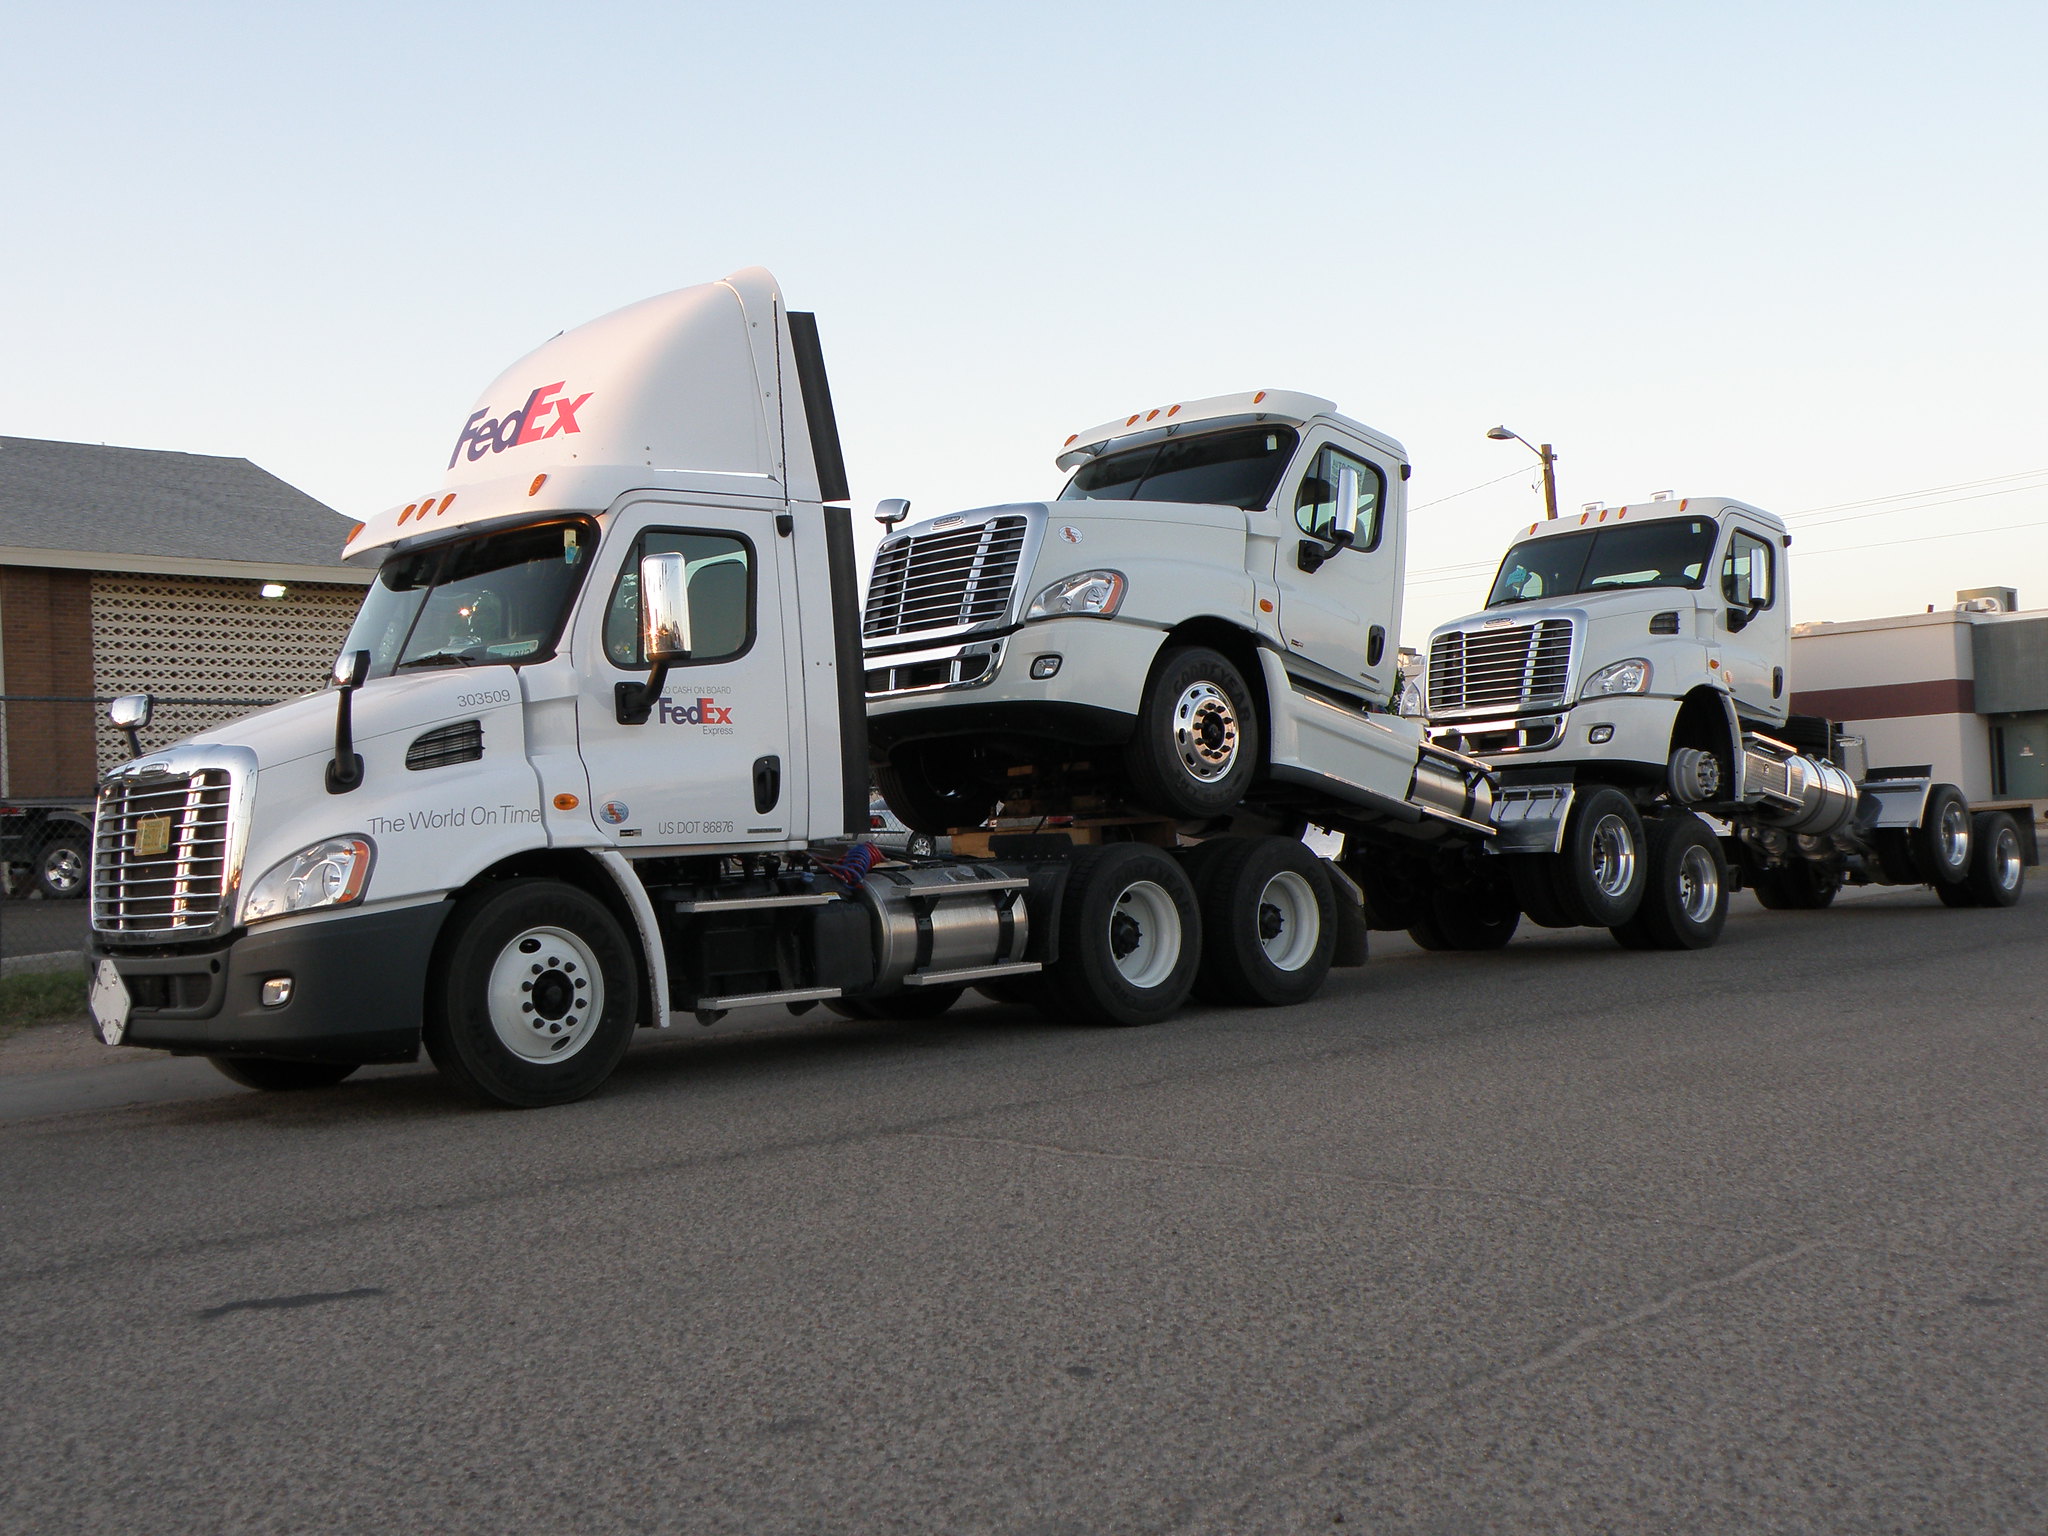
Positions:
{"x": 270, "y": 1076}
{"x": 920, "y": 845}
{"x": 64, "y": 869}
{"x": 1269, "y": 922}
{"x": 1998, "y": 871}
{"x": 930, "y": 801}
{"x": 910, "y": 1003}
{"x": 1685, "y": 903}
{"x": 1030, "y": 991}
{"x": 1800, "y": 886}
{"x": 1196, "y": 719}
{"x": 1130, "y": 937}
{"x": 521, "y": 962}
{"x": 1600, "y": 872}
{"x": 1895, "y": 862}
{"x": 1956, "y": 895}
{"x": 1941, "y": 843}
{"x": 1533, "y": 877}
{"x": 1472, "y": 918}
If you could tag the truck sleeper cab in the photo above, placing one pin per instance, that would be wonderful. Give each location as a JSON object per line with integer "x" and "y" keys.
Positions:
{"x": 1644, "y": 649}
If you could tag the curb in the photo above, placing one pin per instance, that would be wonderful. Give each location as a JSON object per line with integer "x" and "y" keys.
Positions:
{"x": 54, "y": 960}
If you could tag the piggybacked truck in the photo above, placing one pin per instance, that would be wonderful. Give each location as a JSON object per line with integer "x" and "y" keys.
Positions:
{"x": 596, "y": 754}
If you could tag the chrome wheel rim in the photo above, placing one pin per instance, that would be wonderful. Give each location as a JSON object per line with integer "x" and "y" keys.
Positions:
{"x": 1205, "y": 733}
{"x": 64, "y": 870}
{"x": 1699, "y": 884}
{"x": 1289, "y": 921}
{"x": 2007, "y": 864}
{"x": 1614, "y": 856}
{"x": 1144, "y": 934}
{"x": 1954, "y": 833}
{"x": 546, "y": 994}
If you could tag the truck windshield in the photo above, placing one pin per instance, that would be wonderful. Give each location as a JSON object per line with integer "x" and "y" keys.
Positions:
{"x": 1236, "y": 468}
{"x": 1671, "y": 552}
{"x": 497, "y": 599}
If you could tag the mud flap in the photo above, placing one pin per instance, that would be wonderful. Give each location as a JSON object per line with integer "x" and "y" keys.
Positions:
{"x": 1353, "y": 936}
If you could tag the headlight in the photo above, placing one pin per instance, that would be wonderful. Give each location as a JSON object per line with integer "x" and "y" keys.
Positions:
{"x": 1096, "y": 593}
{"x": 329, "y": 874}
{"x": 1409, "y": 702}
{"x": 1631, "y": 676}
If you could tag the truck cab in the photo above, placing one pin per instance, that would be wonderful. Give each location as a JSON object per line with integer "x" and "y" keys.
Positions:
{"x": 1618, "y": 636}
{"x": 1213, "y": 599}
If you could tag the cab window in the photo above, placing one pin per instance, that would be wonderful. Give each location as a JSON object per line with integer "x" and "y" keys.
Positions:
{"x": 1315, "y": 503}
{"x": 720, "y": 570}
{"x": 1746, "y": 572}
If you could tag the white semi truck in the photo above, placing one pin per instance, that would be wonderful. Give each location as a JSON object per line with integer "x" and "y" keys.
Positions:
{"x": 596, "y": 751}
{"x": 1642, "y": 652}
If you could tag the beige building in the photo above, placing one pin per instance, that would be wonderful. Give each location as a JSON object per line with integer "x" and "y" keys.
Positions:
{"x": 1963, "y": 691}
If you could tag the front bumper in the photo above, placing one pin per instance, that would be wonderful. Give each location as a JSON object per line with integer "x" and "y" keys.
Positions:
{"x": 358, "y": 986}
{"x": 1632, "y": 731}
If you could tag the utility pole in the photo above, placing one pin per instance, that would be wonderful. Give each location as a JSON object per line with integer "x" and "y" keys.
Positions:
{"x": 1546, "y": 454}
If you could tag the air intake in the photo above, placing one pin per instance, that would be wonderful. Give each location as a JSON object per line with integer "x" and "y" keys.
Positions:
{"x": 462, "y": 742}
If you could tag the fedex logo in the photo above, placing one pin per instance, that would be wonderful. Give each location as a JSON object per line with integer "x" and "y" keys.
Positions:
{"x": 702, "y": 712}
{"x": 483, "y": 433}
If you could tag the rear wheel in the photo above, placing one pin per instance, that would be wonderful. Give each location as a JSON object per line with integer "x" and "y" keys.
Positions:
{"x": 535, "y": 995}
{"x": 1998, "y": 867}
{"x": 1130, "y": 937}
{"x": 1941, "y": 843}
{"x": 1197, "y": 740}
{"x": 1269, "y": 922}
{"x": 1800, "y": 886}
{"x": 280, "y": 1076}
{"x": 1685, "y": 903}
{"x": 1477, "y": 917}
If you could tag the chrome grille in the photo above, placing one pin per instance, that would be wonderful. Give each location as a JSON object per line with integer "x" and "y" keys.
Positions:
{"x": 1514, "y": 666}
{"x": 182, "y": 888}
{"x": 938, "y": 581}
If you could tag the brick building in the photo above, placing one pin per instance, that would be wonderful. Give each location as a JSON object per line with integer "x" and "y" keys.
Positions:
{"x": 205, "y": 581}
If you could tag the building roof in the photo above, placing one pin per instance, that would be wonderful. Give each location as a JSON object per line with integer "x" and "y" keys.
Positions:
{"x": 88, "y": 506}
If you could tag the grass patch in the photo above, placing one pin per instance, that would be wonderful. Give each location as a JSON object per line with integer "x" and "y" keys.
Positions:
{"x": 40, "y": 997}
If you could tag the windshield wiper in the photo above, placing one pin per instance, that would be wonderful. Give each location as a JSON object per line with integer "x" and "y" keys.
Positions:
{"x": 436, "y": 659}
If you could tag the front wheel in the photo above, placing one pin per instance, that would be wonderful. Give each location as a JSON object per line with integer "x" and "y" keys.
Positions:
{"x": 1941, "y": 843}
{"x": 1685, "y": 903}
{"x": 270, "y": 1076}
{"x": 534, "y": 997}
{"x": 62, "y": 869}
{"x": 1197, "y": 741}
{"x": 1269, "y": 921}
{"x": 1130, "y": 937}
{"x": 933, "y": 789}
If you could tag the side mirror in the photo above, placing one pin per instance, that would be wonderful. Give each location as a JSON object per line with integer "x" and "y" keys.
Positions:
{"x": 351, "y": 669}
{"x": 891, "y": 512}
{"x": 1344, "y": 520}
{"x": 664, "y": 633}
{"x": 665, "y": 607}
{"x": 345, "y": 772}
{"x": 131, "y": 711}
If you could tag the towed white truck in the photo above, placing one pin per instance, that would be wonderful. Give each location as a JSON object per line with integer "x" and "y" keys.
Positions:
{"x": 596, "y": 755}
{"x": 1641, "y": 654}
{"x": 1200, "y": 633}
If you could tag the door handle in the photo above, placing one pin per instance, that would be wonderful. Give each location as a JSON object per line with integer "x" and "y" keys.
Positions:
{"x": 767, "y": 783}
{"x": 1375, "y": 644}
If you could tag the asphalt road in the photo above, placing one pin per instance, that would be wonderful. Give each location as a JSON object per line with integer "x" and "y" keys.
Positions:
{"x": 42, "y": 927}
{"x": 1562, "y": 1239}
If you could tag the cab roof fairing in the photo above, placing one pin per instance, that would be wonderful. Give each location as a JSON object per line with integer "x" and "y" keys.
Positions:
{"x": 1647, "y": 511}
{"x": 1284, "y": 405}
{"x": 691, "y": 390}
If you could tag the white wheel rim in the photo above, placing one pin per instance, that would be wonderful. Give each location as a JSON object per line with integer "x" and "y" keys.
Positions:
{"x": 1614, "y": 856}
{"x": 546, "y": 994}
{"x": 1954, "y": 832}
{"x": 1290, "y": 922}
{"x": 2006, "y": 853}
{"x": 1144, "y": 934}
{"x": 1699, "y": 884}
{"x": 1205, "y": 732}
{"x": 64, "y": 869}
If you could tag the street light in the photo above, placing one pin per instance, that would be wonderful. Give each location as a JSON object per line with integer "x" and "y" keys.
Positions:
{"x": 1502, "y": 435}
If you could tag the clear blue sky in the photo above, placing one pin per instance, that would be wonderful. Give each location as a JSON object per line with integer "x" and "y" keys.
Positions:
{"x": 1794, "y": 253}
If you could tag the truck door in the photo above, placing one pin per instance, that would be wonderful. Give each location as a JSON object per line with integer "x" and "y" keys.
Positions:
{"x": 1752, "y": 624}
{"x": 1342, "y": 616}
{"x": 711, "y": 764}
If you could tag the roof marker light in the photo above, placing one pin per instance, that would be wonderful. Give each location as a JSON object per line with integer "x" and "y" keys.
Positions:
{"x": 1070, "y": 440}
{"x": 1132, "y": 422}
{"x": 538, "y": 482}
{"x": 1152, "y": 413}
{"x": 1173, "y": 411}
{"x": 410, "y": 508}
{"x": 352, "y": 534}
{"x": 1683, "y": 504}
{"x": 446, "y": 502}
{"x": 1258, "y": 397}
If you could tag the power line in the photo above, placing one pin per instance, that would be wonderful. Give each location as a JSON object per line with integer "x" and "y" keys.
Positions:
{"x": 1482, "y": 485}
{"x": 1965, "y": 533}
{"x": 1930, "y": 490}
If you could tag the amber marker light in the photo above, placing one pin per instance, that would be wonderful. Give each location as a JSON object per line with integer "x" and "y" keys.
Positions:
{"x": 1258, "y": 397}
{"x": 538, "y": 482}
{"x": 566, "y": 801}
{"x": 446, "y": 502}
